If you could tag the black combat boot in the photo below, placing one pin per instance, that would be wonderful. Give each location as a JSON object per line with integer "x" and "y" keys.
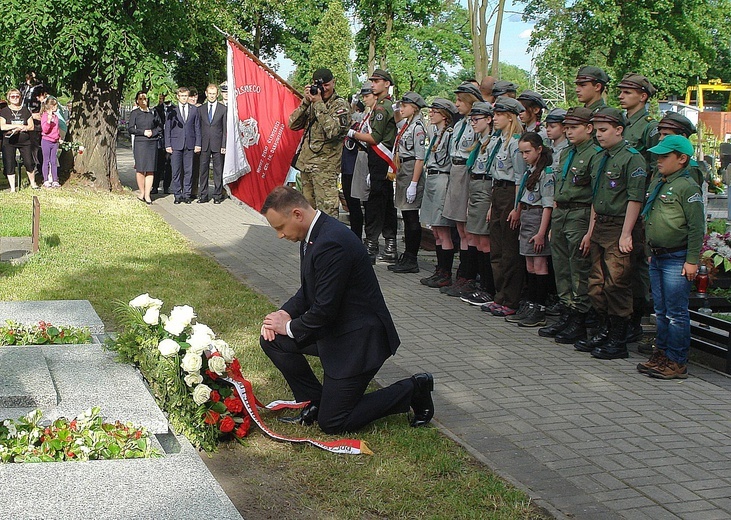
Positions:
{"x": 372, "y": 246}
{"x": 575, "y": 331}
{"x": 616, "y": 345}
{"x": 553, "y": 329}
{"x": 598, "y": 339}
{"x": 634, "y": 330}
{"x": 407, "y": 264}
{"x": 390, "y": 254}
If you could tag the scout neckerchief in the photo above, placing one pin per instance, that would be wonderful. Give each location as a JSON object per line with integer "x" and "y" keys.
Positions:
{"x": 521, "y": 189}
{"x": 600, "y": 172}
{"x": 656, "y": 192}
{"x": 428, "y": 150}
{"x": 473, "y": 155}
{"x": 569, "y": 160}
{"x": 396, "y": 158}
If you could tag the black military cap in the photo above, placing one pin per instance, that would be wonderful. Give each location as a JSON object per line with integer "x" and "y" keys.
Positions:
{"x": 533, "y": 97}
{"x": 324, "y": 75}
{"x": 677, "y": 123}
{"x": 223, "y": 86}
{"x": 609, "y": 115}
{"x": 578, "y": 116}
{"x": 367, "y": 88}
{"x": 508, "y": 104}
{"x": 637, "y": 82}
{"x": 502, "y": 86}
{"x": 381, "y": 74}
{"x": 556, "y": 115}
{"x": 444, "y": 104}
{"x": 481, "y": 108}
{"x": 590, "y": 73}
{"x": 469, "y": 88}
{"x": 414, "y": 99}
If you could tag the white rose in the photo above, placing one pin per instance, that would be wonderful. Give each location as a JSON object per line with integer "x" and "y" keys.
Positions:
{"x": 182, "y": 313}
{"x": 168, "y": 347}
{"x": 152, "y": 316}
{"x": 199, "y": 342}
{"x": 199, "y": 328}
{"x": 227, "y": 352}
{"x": 191, "y": 362}
{"x": 193, "y": 379}
{"x": 201, "y": 394}
{"x": 154, "y": 302}
{"x": 217, "y": 364}
{"x": 174, "y": 327}
{"x": 142, "y": 301}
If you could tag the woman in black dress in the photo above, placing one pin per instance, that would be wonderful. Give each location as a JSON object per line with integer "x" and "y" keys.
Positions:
{"x": 16, "y": 122}
{"x": 146, "y": 126}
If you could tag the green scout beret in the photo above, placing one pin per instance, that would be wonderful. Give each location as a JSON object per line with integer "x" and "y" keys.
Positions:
{"x": 508, "y": 104}
{"x": 677, "y": 123}
{"x": 609, "y": 115}
{"x": 556, "y": 115}
{"x": 502, "y": 86}
{"x": 381, "y": 74}
{"x": 637, "y": 82}
{"x": 414, "y": 99}
{"x": 673, "y": 143}
{"x": 590, "y": 73}
{"x": 481, "y": 108}
{"x": 324, "y": 75}
{"x": 533, "y": 97}
{"x": 444, "y": 104}
{"x": 469, "y": 88}
{"x": 578, "y": 116}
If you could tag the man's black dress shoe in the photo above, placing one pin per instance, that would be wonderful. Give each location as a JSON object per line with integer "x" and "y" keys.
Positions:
{"x": 202, "y": 201}
{"x": 187, "y": 201}
{"x": 217, "y": 201}
{"x": 178, "y": 201}
{"x": 421, "y": 401}
{"x": 307, "y": 416}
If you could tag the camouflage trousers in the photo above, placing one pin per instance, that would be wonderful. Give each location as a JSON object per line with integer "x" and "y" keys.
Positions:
{"x": 320, "y": 188}
{"x": 610, "y": 279}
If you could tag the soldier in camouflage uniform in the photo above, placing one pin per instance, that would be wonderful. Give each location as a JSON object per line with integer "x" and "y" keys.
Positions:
{"x": 325, "y": 118}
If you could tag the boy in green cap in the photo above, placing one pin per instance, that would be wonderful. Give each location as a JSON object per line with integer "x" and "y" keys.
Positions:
{"x": 674, "y": 222}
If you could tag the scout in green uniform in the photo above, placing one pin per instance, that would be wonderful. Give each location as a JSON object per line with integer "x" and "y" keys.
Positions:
{"x": 619, "y": 189}
{"x": 675, "y": 221}
{"x": 570, "y": 227}
{"x": 591, "y": 82}
{"x": 380, "y": 213}
{"x": 676, "y": 124}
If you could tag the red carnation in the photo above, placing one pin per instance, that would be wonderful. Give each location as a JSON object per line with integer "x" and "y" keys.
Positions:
{"x": 211, "y": 417}
{"x": 227, "y": 424}
{"x": 243, "y": 429}
{"x": 233, "y": 404}
{"x": 215, "y": 396}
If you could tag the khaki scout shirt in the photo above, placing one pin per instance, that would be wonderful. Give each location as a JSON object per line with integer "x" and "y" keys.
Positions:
{"x": 325, "y": 124}
{"x": 573, "y": 181}
{"x": 622, "y": 181}
{"x": 383, "y": 125}
{"x": 641, "y": 133}
{"x": 676, "y": 217}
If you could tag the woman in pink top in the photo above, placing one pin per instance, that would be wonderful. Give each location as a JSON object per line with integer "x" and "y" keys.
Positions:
{"x": 49, "y": 143}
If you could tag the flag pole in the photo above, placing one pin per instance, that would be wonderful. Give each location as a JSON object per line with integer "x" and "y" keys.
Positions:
{"x": 258, "y": 61}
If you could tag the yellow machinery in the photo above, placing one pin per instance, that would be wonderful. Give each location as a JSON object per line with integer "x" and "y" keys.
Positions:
{"x": 695, "y": 95}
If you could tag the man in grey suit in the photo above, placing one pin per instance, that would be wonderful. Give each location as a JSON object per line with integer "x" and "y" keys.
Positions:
{"x": 212, "y": 115}
{"x": 182, "y": 141}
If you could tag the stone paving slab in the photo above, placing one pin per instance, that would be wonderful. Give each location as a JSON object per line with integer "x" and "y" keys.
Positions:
{"x": 25, "y": 380}
{"x": 73, "y": 313}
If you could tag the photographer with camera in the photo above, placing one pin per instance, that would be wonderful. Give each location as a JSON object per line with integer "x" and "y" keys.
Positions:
{"x": 325, "y": 118}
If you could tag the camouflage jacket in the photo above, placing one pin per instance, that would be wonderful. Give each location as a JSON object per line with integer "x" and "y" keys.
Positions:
{"x": 325, "y": 124}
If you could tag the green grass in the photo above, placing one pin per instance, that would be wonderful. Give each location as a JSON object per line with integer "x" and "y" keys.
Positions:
{"x": 107, "y": 248}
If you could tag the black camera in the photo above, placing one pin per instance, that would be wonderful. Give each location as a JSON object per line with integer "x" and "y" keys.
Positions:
{"x": 316, "y": 87}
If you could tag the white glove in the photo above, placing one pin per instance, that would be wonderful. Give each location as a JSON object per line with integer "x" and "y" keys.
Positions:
{"x": 411, "y": 192}
{"x": 351, "y": 133}
{"x": 368, "y": 180}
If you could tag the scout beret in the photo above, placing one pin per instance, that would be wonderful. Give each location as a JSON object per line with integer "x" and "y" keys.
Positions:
{"x": 502, "y": 86}
{"x": 677, "y": 123}
{"x": 367, "y": 88}
{"x": 414, "y": 99}
{"x": 556, "y": 115}
{"x": 324, "y": 75}
{"x": 508, "y": 104}
{"x": 381, "y": 74}
{"x": 533, "y": 97}
{"x": 481, "y": 108}
{"x": 609, "y": 115}
{"x": 590, "y": 73}
{"x": 578, "y": 116}
{"x": 224, "y": 86}
{"x": 673, "y": 143}
{"x": 444, "y": 104}
{"x": 637, "y": 82}
{"x": 469, "y": 88}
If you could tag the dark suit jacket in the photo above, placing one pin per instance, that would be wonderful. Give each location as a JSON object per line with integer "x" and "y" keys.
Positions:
{"x": 213, "y": 134}
{"x": 181, "y": 135}
{"x": 340, "y": 305}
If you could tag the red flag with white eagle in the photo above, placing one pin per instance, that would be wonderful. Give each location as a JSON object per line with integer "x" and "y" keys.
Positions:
{"x": 259, "y": 146}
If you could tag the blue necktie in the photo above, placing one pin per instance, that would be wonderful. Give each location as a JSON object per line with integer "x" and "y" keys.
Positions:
{"x": 653, "y": 196}
{"x": 210, "y": 112}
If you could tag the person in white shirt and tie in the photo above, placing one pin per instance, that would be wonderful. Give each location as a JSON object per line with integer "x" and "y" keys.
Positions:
{"x": 212, "y": 115}
{"x": 182, "y": 141}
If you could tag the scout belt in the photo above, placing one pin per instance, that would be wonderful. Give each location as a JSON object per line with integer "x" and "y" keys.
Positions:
{"x": 528, "y": 207}
{"x": 459, "y": 160}
{"x": 572, "y": 205}
{"x": 658, "y": 251}
{"x": 502, "y": 184}
{"x": 609, "y": 218}
{"x": 479, "y": 176}
{"x": 436, "y": 172}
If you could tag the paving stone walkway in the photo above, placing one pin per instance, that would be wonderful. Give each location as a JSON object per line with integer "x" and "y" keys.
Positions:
{"x": 587, "y": 439}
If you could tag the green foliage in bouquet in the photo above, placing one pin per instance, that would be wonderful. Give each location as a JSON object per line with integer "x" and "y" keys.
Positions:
{"x": 44, "y": 333}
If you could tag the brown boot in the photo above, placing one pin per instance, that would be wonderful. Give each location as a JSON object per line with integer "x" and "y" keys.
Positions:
{"x": 653, "y": 362}
{"x": 668, "y": 369}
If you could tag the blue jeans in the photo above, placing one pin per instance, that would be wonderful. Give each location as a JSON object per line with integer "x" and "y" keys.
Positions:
{"x": 670, "y": 293}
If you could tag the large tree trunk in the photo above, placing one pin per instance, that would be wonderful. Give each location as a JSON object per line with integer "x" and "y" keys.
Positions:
{"x": 94, "y": 118}
{"x": 371, "y": 50}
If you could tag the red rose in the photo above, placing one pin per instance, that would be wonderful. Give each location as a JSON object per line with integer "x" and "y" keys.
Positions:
{"x": 234, "y": 366}
{"x": 243, "y": 429}
{"x": 215, "y": 396}
{"x": 233, "y": 404}
{"x": 212, "y": 375}
{"x": 211, "y": 417}
{"x": 227, "y": 424}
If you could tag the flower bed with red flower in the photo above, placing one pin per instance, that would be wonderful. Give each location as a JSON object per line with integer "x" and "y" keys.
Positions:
{"x": 43, "y": 333}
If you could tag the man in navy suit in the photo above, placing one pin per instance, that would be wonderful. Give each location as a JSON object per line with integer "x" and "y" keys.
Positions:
{"x": 212, "y": 115}
{"x": 338, "y": 314}
{"x": 182, "y": 141}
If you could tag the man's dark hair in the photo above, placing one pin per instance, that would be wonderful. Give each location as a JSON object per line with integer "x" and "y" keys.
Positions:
{"x": 193, "y": 91}
{"x": 283, "y": 199}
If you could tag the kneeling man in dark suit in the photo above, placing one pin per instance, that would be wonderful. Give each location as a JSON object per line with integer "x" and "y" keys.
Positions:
{"x": 338, "y": 314}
